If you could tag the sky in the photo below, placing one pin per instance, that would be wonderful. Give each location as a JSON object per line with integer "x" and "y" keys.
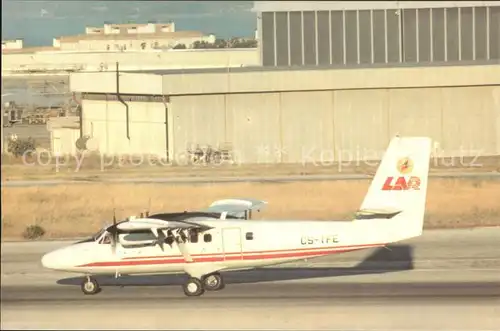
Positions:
{"x": 38, "y": 22}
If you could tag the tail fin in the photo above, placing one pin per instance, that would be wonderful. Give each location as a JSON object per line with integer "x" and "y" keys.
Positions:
{"x": 394, "y": 206}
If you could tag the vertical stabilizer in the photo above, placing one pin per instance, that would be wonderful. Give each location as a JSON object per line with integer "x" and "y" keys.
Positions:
{"x": 394, "y": 206}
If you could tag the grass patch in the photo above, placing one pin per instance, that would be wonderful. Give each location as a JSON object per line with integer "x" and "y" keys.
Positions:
{"x": 68, "y": 211}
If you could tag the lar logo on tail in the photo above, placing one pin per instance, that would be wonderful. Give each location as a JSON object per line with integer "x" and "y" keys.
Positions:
{"x": 404, "y": 167}
{"x": 394, "y": 206}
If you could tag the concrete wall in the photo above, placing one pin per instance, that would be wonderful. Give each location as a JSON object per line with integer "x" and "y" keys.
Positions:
{"x": 332, "y": 125}
{"x": 316, "y": 126}
{"x": 176, "y": 59}
{"x": 63, "y": 140}
{"x": 106, "y": 83}
{"x": 260, "y": 81}
{"x": 309, "y": 115}
{"x": 106, "y": 123}
{"x": 330, "y": 79}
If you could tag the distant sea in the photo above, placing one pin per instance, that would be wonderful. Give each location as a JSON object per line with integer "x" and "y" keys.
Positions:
{"x": 38, "y": 22}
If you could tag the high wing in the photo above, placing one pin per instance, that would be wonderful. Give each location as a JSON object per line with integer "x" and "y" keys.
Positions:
{"x": 155, "y": 223}
{"x": 238, "y": 207}
{"x": 169, "y": 229}
{"x": 165, "y": 230}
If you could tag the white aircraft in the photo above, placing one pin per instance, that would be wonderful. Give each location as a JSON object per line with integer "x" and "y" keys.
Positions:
{"x": 223, "y": 237}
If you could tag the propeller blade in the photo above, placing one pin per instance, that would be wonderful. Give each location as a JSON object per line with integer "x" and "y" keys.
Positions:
{"x": 161, "y": 239}
{"x": 114, "y": 233}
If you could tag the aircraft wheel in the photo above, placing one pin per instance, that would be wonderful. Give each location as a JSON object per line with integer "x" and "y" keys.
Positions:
{"x": 90, "y": 286}
{"x": 213, "y": 282}
{"x": 193, "y": 287}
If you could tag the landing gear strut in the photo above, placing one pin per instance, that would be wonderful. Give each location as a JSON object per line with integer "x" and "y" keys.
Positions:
{"x": 196, "y": 287}
{"x": 90, "y": 286}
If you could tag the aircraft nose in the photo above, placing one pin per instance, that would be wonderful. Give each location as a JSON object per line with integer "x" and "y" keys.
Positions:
{"x": 51, "y": 260}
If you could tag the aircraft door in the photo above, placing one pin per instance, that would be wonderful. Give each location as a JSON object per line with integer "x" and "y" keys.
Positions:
{"x": 231, "y": 243}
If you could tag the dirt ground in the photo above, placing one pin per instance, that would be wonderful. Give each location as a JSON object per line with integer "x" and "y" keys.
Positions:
{"x": 77, "y": 210}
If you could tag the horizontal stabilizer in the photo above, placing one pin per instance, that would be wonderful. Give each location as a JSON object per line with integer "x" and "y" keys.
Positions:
{"x": 236, "y": 207}
{"x": 376, "y": 213}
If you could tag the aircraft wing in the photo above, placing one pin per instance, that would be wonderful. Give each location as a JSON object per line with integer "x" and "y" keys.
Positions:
{"x": 236, "y": 206}
{"x": 151, "y": 223}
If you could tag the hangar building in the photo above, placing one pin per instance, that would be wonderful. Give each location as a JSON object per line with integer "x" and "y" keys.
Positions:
{"x": 319, "y": 33}
{"x": 300, "y": 113}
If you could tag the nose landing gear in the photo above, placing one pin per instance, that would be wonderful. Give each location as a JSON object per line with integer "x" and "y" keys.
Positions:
{"x": 193, "y": 287}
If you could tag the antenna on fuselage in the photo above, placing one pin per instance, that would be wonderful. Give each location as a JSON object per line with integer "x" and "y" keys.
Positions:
{"x": 149, "y": 207}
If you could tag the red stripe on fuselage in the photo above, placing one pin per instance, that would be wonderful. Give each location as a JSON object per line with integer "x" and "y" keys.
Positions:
{"x": 257, "y": 252}
{"x": 221, "y": 257}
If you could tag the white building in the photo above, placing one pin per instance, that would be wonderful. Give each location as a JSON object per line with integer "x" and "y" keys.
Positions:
{"x": 131, "y": 28}
{"x": 12, "y": 44}
{"x": 124, "y": 42}
{"x": 123, "y": 37}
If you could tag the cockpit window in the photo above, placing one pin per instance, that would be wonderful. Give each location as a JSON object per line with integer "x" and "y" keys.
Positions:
{"x": 106, "y": 240}
{"x": 98, "y": 235}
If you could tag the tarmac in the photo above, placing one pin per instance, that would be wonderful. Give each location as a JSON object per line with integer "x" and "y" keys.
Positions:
{"x": 446, "y": 280}
{"x": 179, "y": 180}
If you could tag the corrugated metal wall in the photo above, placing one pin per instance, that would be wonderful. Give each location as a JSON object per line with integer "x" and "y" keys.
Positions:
{"x": 371, "y": 36}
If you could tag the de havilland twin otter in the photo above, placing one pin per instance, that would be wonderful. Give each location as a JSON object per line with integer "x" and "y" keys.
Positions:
{"x": 204, "y": 244}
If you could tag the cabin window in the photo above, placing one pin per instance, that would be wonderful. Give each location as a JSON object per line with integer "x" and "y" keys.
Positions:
{"x": 193, "y": 237}
{"x": 207, "y": 237}
{"x": 249, "y": 236}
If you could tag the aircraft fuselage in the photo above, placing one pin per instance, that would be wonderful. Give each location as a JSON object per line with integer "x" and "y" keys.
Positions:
{"x": 230, "y": 245}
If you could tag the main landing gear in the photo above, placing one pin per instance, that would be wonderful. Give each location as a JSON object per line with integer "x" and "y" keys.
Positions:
{"x": 196, "y": 287}
{"x": 192, "y": 288}
{"x": 90, "y": 286}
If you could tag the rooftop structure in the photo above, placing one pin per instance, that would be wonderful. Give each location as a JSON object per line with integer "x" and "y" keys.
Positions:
{"x": 12, "y": 44}
{"x": 122, "y": 37}
{"x": 131, "y": 28}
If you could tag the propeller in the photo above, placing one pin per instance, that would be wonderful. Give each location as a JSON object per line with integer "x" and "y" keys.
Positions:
{"x": 114, "y": 233}
{"x": 160, "y": 237}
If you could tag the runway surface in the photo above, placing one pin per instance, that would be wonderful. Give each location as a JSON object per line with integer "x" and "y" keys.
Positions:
{"x": 220, "y": 180}
{"x": 446, "y": 280}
